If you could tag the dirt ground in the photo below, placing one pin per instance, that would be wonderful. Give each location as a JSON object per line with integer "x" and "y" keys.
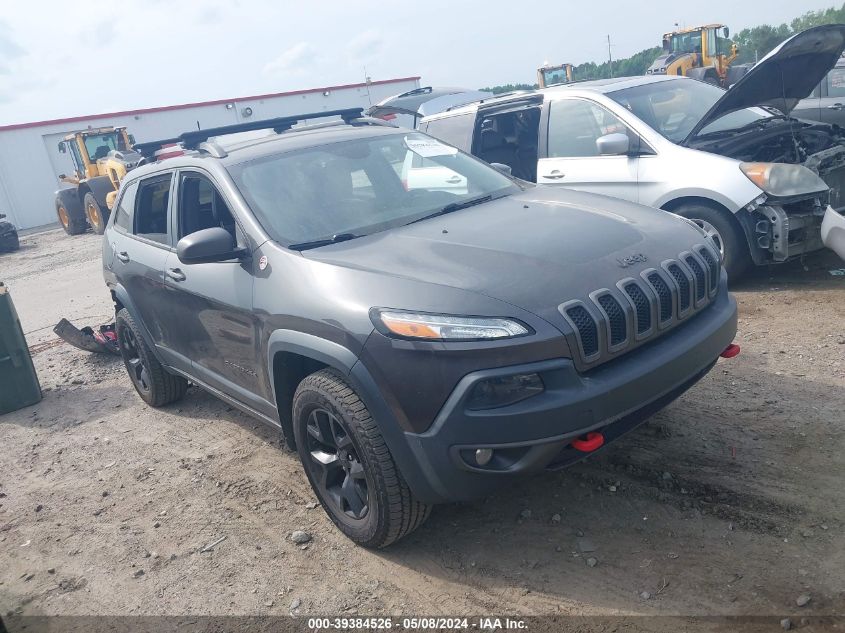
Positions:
{"x": 729, "y": 502}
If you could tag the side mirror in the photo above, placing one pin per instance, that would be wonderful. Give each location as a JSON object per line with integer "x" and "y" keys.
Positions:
{"x": 505, "y": 169}
{"x": 727, "y": 32}
{"x": 208, "y": 245}
{"x": 613, "y": 144}
{"x": 62, "y": 148}
{"x": 131, "y": 139}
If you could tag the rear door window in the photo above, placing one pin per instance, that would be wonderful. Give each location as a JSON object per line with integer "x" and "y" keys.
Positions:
{"x": 123, "y": 211}
{"x": 455, "y": 130}
{"x": 152, "y": 205}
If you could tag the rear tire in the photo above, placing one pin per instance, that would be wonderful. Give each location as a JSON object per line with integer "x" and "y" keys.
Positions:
{"x": 349, "y": 465}
{"x": 94, "y": 213}
{"x": 156, "y": 386}
{"x": 730, "y": 238}
{"x": 70, "y": 215}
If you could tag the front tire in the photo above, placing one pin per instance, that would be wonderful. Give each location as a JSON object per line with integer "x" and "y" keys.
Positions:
{"x": 729, "y": 237}
{"x": 94, "y": 213}
{"x": 156, "y": 386}
{"x": 349, "y": 465}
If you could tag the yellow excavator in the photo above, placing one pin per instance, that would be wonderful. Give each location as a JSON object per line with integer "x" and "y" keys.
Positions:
{"x": 701, "y": 52}
{"x": 554, "y": 75}
{"x": 101, "y": 158}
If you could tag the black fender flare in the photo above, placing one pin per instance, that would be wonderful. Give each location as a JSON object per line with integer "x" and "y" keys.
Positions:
{"x": 120, "y": 296}
{"x": 347, "y": 363}
{"x": 100, "y": 187}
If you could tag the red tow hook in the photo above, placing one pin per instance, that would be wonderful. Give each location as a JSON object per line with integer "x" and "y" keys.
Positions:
{"x": 730, "y": 351}
{"x": 593, "y": 441}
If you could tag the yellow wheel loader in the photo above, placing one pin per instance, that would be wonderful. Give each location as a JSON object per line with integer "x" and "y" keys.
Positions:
{"x": 554, "y": 75}
{"x": 701, "y": 52}
{"x": 101, "y": 157}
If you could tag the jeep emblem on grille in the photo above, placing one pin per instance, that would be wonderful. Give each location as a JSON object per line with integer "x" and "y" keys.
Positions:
{"x": 630, "y": 260}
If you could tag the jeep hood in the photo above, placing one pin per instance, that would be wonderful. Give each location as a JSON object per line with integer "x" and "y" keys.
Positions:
{"x": 784, "y": 76}
{"x": 535, "y": 249}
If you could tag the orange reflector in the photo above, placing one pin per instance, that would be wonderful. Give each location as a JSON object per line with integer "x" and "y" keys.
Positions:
{"x": 403, "y": 328}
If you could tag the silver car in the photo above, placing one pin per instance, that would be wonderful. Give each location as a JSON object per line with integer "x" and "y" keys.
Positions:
{"x": 735, "y": 162}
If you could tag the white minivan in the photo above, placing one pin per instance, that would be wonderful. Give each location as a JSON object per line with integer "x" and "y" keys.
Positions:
{"x": 759, "y": 181}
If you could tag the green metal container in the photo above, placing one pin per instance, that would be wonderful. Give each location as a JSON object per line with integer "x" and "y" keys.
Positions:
{"x": 18, "y": 381}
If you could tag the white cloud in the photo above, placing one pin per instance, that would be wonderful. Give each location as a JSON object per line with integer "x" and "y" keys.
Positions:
{"x": 366, "y": 46}
{"x": 292, "y": 60}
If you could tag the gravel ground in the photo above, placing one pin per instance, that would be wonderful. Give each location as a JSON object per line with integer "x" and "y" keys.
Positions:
{"x": 729, "y": 502}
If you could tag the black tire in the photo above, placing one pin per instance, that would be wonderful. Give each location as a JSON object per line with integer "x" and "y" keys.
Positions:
{"x": 362, "y": 466}
{"x": 95, "y": 214}
{"x": 71, "y": 215}
{"x": 730, "y": 236}
{"x": 156, "y": 386}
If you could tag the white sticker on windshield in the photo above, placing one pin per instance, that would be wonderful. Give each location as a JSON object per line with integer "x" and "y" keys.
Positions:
{"x": 428, "y": 147}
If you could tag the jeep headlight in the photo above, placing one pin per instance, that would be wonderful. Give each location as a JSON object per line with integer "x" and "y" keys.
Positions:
{"x": 783, "y": 180}
{"x": 445, "y": 327}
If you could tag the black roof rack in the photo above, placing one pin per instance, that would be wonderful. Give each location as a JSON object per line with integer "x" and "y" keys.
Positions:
{"x": 191, "y": 140}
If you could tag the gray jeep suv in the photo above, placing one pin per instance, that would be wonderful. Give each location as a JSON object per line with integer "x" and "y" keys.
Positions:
{"x": 415, "y": 344}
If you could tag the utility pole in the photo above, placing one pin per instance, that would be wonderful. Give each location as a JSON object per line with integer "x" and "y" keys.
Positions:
{"x": 609, "y": 56}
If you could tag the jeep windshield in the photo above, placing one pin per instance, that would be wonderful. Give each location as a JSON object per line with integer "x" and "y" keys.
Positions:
{"x": 673, "y": 108}
{"x": 330, "y": 193}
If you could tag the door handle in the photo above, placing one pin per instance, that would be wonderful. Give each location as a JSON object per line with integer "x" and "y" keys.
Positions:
{"x": 554, "y": 175}
{"x": 454, "y": 180}
{"x": 175, "y": 274}
{"x": 122, "y": 256}
{"x": 836, "y": 106}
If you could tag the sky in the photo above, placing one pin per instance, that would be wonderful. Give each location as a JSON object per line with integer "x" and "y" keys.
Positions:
{"x": 60, "y": 59}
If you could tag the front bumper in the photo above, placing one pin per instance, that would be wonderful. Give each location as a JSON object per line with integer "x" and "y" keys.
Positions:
{"x": 535, "y": 434}
{"x": 833, "y": 232}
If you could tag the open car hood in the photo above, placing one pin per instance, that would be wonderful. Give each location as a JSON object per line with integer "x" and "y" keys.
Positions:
{"x": 421, "y": 102}
{"x": 784, "y": 76}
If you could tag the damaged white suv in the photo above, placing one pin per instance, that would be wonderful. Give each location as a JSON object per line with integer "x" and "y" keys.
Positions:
{"x": 759, "y": 181}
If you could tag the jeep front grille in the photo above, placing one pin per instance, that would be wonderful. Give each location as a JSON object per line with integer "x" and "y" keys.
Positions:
{"x": 612, "y": 321}
{"x": 664, "y": 295}
{"x": 587, "y": 330}
{"x": 642, "y": 306}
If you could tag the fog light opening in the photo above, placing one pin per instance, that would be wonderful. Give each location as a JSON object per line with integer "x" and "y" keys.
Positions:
{"x": 503, "y": 391}
{"x": 483, "y": 456}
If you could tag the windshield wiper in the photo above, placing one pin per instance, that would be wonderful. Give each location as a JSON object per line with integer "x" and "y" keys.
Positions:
{"x": 455, "y": 206}
{"x": 334, "y": 239}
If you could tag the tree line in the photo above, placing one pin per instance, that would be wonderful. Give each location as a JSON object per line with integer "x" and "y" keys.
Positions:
{"x": 753, "y": 43}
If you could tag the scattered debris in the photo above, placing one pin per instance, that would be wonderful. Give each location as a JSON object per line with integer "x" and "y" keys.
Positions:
{"x": 555, "y": 518}
{"x": 803, "y": 600}
{"x": 211, "y": 545}
{"x": 311, "y": 505}
{"x": 157, "y": 524}
{"x": 786, "y": 624}
{"x": 295, "y": 604}
{"x": 645, "y": 595}
{"x": 525, "y": 514}
{"x": 300, "y": 537}
{"x": 592, "y": 562}
{"x": 138, "y": 573}
{"x": 100, "y": 340}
